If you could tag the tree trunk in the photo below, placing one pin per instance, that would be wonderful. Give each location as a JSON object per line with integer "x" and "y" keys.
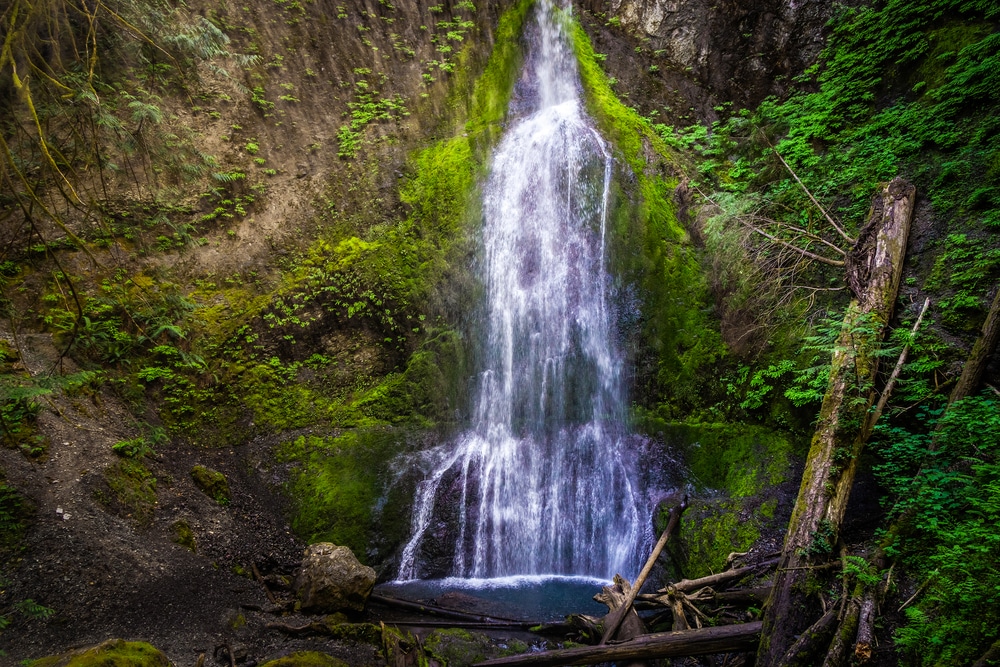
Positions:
{"x": 874, "y": 269}
{"x": 722, "y": 639}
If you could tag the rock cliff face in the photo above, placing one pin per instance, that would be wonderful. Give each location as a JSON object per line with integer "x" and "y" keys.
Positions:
{"x": 705, "y": 52}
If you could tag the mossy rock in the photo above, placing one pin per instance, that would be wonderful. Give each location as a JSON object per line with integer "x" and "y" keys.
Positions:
{"x": 184, "y": 535}
{"x": 366, "y": 633}
{"x": 133, "y": 488}
{"x": 459, "y": 648}
{"x": 112, "y": 653}
{"x": 212, "y": 482}
{"x": 306, "y": 659}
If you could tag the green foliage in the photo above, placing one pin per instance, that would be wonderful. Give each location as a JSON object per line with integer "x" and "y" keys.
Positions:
{"x": 140, "y": 446}
{"x": 21, "y": 399}
{"x": 944, "y": 484}
{"x": 366, "y": 108}
{"x": 305, "y": 659}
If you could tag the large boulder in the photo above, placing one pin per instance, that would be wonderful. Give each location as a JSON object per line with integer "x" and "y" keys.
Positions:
{"x": 332, "y": 579}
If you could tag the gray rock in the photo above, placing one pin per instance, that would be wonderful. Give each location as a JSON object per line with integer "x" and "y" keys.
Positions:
{"x": 332, "y": 579}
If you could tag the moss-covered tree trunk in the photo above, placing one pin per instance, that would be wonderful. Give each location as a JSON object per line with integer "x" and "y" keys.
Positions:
{"x": 874, "y": 269}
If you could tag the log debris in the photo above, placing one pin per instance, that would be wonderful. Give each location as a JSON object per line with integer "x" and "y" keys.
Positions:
{"x": 723, "y": 639}
{"x": 615, "y": 617}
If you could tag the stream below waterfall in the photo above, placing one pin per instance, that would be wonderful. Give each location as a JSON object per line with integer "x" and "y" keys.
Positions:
{"x": 544, "y": 479}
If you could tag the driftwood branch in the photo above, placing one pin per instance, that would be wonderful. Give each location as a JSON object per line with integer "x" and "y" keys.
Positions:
{"x": 822, "y": 210}
{"x": 723, "y": 639}
{"x": 615, "y": 617}
{"x": 715, "y": 580}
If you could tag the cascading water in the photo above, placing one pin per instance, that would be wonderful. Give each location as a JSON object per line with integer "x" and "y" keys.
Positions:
{"x": 542, "y": 482}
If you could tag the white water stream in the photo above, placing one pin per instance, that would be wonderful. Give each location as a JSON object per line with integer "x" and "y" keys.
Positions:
{"x": 542, "y": 481}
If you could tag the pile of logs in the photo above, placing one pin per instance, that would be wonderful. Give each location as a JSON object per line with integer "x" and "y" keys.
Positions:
{"x": 695, "y": 609}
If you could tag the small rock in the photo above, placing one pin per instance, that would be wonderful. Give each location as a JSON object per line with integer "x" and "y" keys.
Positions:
{"x": 212, "y": 482}
{"x": 332, "y": 579}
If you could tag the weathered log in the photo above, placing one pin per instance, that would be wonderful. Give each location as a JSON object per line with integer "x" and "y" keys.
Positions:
{"x": 843, "y": 640}
{"x": 874, "y": 269}
{"x": 982, "y": 349}
{"x": 866, "y": 628}
{"x": 991, "y": 657}
{"x": 722, "y": 639}
{"x": 439, "y": 611}
{"x": 615, "y": 618}
{"x": 745, "y": 596}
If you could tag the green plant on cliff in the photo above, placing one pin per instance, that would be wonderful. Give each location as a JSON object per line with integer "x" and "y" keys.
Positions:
{"x": 943, "y": 474}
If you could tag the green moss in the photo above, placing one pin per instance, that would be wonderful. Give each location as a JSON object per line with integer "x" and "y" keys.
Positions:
{"x": 740, "y": 460}
{"x": 459, "y": 648}
{"x": 651, "y": 252}
{"x": 366, "y": 633}
{"x": 306, "y": 659}
{"x": 112, "y": 653}
{"x": 212, "y": 483}
{"x": 184, "y": 536}
{"x": 133, "y": 487}
{"x": 337, "y": 483}
{"x": 710, "y": 531}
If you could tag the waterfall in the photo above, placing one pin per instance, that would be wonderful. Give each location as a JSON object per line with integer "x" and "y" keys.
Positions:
{"x": 543, "y": 480}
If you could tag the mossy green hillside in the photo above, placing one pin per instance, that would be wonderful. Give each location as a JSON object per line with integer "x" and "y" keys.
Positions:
{"x": 711, "y": 529}
{"x": 112, "y": 653}
{"x": 736, "y": 470}
{"x": 739, "y": 460}
{"x": 409, "y": 284}
{"x": 343, "y": 491}
{"x": 651, "y": 253}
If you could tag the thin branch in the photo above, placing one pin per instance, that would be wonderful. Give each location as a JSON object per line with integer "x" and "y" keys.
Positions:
{"x": 818, "y": 258}
{"x": 810, "y": 194}
{"x": 804, "y": 232}
{"x": 891, "y": 383}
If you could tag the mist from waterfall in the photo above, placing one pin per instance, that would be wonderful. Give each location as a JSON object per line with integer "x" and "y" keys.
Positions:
{"x": 542, "y": 481}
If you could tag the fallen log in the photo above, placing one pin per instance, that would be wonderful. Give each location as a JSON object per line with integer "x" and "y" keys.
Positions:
{"x": 723, "y": 639}
{"x": 615, "y": 617}
{"x": 432, "y": 610}
{"x": 803, "y": 652}
{"x": 874, "y": 269}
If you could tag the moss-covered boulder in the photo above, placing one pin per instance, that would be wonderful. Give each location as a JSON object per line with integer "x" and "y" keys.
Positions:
{"x": 306, "y": 659}
{"x": 212, "y": 482}
{"x": 112, "y": 653}
{"x": 184, "y": 535}
{"x": 459, "y": 648}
